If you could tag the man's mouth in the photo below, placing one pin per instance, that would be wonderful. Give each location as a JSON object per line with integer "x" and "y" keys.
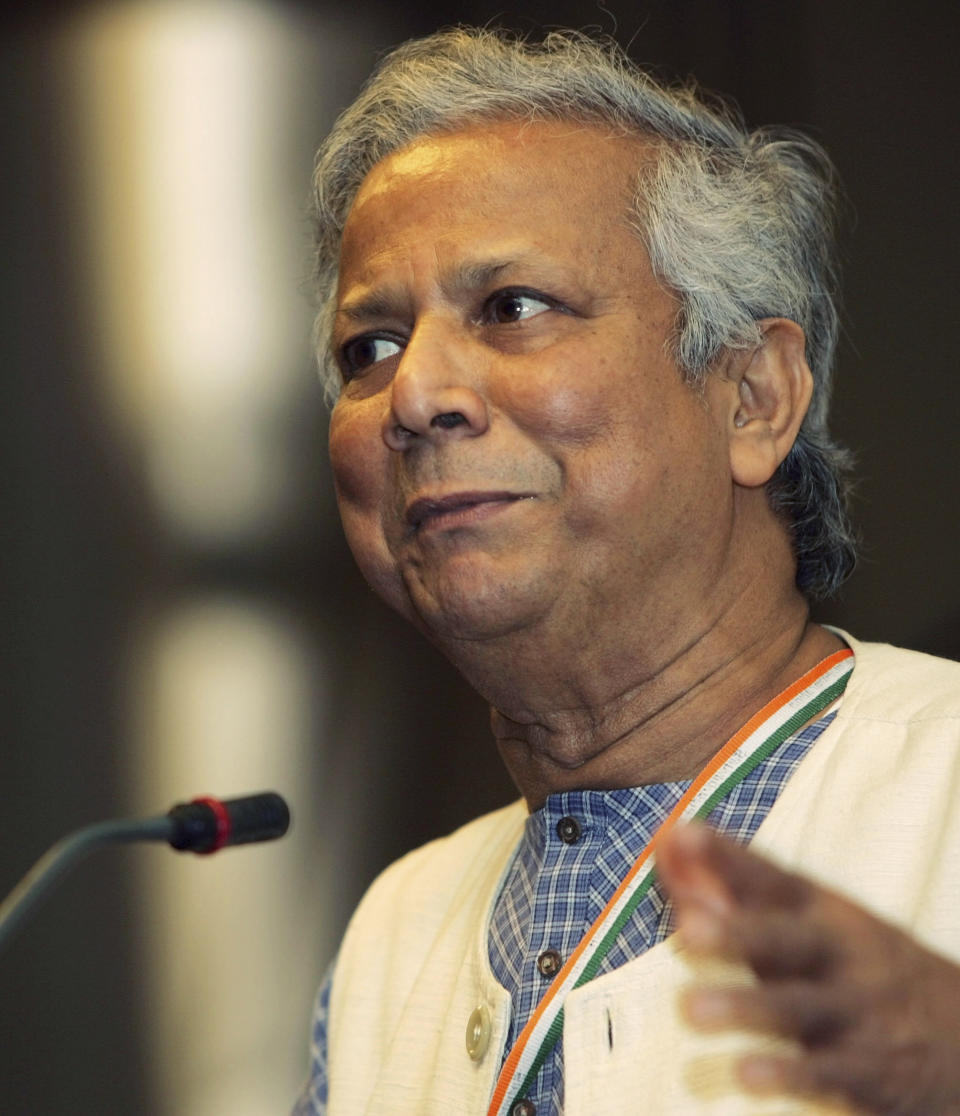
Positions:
{"x": 459, "y": 509}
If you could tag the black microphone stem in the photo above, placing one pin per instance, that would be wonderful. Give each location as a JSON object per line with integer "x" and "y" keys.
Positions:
{"x": 59, "y": 859}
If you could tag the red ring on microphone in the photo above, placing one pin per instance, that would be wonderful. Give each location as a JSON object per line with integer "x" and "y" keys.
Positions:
{"x": 223, "y": 823}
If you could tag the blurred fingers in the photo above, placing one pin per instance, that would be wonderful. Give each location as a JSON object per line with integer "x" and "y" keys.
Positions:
{"x": 798, "y": 1010}
{"x": 692, "y": 859}
{"x": 869, "y": 1079}
{"x": 776, "y": 946}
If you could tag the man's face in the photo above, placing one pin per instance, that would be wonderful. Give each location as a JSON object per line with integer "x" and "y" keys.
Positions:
{"x": 514, "y": 447}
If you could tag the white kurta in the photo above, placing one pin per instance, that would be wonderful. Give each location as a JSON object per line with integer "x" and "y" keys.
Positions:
{"x": 873, "y": 810}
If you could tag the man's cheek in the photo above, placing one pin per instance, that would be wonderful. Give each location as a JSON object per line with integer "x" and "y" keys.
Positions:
{"x": 366, "y": 542}
{"x": 372, "y": 553}
{"x": 356, "y": 457}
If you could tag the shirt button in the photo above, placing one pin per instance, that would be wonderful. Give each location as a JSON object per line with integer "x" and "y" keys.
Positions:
{"x": 549, "y": 962}
{"x": 478, "y": 1032}
{"x": 524, "y": 1108}
{"x": 568, "y": 830}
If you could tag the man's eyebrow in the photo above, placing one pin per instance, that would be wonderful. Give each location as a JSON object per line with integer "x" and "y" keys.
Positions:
{"x": 470, "y": 275}
{"x": 528, "y": 263}
{"x": 376, "y": 304}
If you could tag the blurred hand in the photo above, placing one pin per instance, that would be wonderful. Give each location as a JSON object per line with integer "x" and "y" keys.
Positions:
{"x": 876, "y": 1016}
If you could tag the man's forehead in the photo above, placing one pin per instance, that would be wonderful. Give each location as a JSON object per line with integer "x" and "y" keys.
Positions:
{"x": 521, "y": 151}
{"x": 427, "y": 155}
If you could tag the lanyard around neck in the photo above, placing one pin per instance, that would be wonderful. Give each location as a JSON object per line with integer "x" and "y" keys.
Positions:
{"x": 799, "y": 703}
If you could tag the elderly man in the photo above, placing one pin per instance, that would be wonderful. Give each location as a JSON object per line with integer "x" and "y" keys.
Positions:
{"x": 581, "y": 329}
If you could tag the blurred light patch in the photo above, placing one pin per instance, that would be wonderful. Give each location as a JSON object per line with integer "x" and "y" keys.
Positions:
{"x": 226, "y": 698}
{"x": 195, "y": 242}
{"x": 191, "y": 130}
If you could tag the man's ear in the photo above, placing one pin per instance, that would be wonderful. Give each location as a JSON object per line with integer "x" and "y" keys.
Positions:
{"x": 773, "y": 387}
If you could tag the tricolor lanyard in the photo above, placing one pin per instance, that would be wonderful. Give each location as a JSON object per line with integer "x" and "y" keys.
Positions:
{"x": 750, "y": 746}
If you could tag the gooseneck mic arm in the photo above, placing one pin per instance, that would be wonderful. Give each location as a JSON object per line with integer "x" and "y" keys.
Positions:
{"x": 201, "y": 826}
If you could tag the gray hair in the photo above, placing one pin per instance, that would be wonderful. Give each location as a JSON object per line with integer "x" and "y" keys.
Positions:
{"x": 738, "y": 224}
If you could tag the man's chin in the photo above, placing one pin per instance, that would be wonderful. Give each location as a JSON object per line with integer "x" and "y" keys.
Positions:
{"x": 454, "y": 611}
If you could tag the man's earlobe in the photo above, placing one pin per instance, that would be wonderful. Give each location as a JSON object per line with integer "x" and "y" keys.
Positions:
{"x": 774, "y": 385}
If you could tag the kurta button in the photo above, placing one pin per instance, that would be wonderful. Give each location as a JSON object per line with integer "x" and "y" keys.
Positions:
{"x": 524, "y": 1108}
{"x": 478, "y": 1032}
{"x": 568, "y": 830}
{"x": 549, "y": 963}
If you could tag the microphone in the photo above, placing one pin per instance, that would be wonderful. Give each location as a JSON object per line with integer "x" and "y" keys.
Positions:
{"x": 203, "y": 826}
{"x": 206, "y": 825}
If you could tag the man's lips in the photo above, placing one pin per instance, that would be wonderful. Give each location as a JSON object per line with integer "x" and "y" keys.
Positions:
{"x": 458, "y": 508}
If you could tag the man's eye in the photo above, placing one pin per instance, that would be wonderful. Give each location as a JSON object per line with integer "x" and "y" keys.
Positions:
{"x": 363, "y": 352}
{"x": 515, "y": 306}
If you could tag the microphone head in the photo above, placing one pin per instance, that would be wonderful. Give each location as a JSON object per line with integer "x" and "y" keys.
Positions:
{"x": 208, "y": 824}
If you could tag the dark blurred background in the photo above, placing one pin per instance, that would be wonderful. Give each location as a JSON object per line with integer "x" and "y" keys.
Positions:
{"x": 182, "y": 616}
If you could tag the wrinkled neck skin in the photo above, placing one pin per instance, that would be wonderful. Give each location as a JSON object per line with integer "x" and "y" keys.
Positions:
{"x": 651, "y": 697}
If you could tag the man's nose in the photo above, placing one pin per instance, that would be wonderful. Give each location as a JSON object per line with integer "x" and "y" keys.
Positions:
{"x": 435, "y": 394}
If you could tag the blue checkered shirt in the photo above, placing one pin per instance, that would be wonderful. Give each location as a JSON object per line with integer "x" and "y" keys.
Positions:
{"x": 554, "y": 890}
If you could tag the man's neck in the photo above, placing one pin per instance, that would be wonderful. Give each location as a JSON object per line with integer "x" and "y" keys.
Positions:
{"x": 666, "y": 727}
